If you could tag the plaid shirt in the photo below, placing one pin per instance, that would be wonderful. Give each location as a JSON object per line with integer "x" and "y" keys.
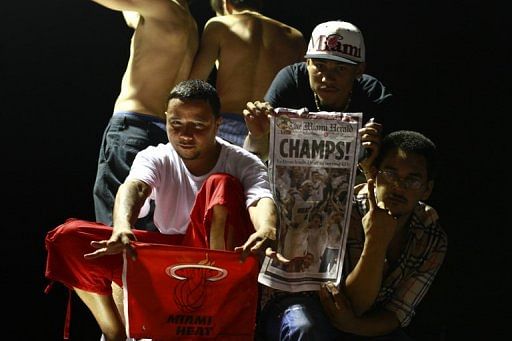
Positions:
{"x": 405, "y": 282}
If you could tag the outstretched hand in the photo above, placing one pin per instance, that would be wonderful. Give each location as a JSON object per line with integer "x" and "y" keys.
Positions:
{"x": 257, "y": 241}
{"x": 119, "y": 241}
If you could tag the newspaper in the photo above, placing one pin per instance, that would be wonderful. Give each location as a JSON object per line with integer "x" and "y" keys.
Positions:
{"x": 312, "y": 169}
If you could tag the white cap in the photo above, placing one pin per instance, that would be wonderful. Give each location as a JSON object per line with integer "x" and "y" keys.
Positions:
{"x": 337, "y": 40}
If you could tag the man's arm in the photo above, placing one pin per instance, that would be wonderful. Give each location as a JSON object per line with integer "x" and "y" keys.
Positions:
{"x": 209, "y": 49}
{"x": 130, "y": 197}
{"x": 338, "y": 308}
{"x": 364, "y": 282}
{"x": 147, "y": 8}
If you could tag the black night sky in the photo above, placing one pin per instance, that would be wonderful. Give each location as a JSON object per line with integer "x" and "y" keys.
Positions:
{"x": 445, "y": 61}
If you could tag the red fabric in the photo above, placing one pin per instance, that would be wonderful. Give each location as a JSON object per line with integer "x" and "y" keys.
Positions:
{"x": 67, "y": 243}
{"x": 169, "y": 295}
{"x": 219, "y": 189}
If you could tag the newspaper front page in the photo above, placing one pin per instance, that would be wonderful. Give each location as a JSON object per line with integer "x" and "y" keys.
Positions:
{"x": 312, "y": 168}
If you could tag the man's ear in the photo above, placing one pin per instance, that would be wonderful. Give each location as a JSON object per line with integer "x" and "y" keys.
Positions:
{"x": 361, "y": 68}
{"x": 428, "y": 190}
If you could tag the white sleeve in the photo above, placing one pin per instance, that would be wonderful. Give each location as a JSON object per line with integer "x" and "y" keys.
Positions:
{"x": 145, "y": 167}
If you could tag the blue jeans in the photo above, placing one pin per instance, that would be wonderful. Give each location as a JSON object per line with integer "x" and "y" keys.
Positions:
{"x": 126, "y": 134}
{"x": 233, "y": 128}
{"x": 301, "y": 316}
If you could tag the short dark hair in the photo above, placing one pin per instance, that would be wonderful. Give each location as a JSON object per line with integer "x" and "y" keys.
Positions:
{"x": 195, "y": 89}
{"x": 410, "y": 141}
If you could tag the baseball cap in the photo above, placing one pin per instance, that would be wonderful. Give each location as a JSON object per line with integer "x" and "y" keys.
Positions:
{"x": 337, "y": 40}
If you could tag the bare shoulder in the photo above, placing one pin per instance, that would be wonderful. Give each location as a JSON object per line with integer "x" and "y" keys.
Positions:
{"x": 170, "y": 11}
{"x": 285, "y": 27}
{"x": 218, "y": 22}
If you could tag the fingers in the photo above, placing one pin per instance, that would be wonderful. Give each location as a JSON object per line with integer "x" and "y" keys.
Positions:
{"x": 96, "y": 254}
{"x": 374, "y": 125}
{"x": 112, "y": 247}
{"x": 126, "y": 239}
{"x": 370, "y": 140}
{"x": 98, "y": 244}
{"x": 370, "y": 137}
{"x": 331, "y": 288}
{"x": 244, "y": 253}
{"x": 276, "y": 256}
{"x": 257, "y": 108}
{"x": 245, "y": 249}
{"x": 371, "y": 131}
{"x": 328, "y": 293}
{"x": 253, "y": 244}
{"x": 101, "y": 249}
{"x": 371, "y": 194}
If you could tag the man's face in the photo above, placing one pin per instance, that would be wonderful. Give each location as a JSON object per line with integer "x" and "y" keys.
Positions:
{"x": 397, "y": 178}
{"x": 191, "y": 128}
{"x": 332, "y": 81}
{"x": 306, "y": 189}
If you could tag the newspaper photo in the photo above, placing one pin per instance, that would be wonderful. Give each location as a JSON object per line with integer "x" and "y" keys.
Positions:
{"x": 312, "y": 169}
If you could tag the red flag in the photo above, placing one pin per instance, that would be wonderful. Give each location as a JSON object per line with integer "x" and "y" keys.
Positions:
{"x": 185, "y": 293}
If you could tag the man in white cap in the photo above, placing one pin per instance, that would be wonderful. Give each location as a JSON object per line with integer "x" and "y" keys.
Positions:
{"x": 331, "y": 79}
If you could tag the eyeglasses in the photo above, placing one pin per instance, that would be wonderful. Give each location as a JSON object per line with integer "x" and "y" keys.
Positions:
{"x": 407, "y": 183}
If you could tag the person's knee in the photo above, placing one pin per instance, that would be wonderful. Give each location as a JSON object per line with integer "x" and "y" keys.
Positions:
{"x": 114, "y": 334}
{"x": 76, "y": 232}
{"x": 224, "y": 178}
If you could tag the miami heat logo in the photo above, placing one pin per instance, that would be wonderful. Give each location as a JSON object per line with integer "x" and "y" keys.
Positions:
{"x": 191, "y": 292}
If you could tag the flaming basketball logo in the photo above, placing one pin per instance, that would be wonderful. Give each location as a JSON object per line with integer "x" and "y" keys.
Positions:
{"x": 333, "y": 42}
{"x": 191, "y": 292}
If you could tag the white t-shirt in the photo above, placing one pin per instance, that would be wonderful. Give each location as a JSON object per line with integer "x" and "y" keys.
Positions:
{"x": 175, "y": 188}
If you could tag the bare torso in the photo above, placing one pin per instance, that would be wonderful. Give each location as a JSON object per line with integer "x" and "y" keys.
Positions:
{"x": 250, "y": 49}
{"x": 161, "y": 55}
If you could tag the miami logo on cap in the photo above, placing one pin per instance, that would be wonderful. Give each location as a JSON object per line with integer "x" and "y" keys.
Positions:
{"x": 334, "y": 43}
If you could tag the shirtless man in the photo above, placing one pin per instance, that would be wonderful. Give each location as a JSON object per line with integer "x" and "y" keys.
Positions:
{"x": 248, "y": 50}
{"x": 162, "y": 50}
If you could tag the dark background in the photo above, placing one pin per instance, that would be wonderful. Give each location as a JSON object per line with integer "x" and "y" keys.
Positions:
{"x": 446, "y": 62}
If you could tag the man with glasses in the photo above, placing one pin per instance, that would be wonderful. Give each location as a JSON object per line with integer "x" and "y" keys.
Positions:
{"x": 395, "y": 248}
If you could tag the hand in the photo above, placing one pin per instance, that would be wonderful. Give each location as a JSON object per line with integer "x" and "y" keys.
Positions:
{"x": 371, "y": 136}
{"x": 257, "y": 241}
{"x": 379, "y": 224}
{"x": 256, "y": 116}
{"x": 120, "y": 240}
{"x": 336, "y": 306}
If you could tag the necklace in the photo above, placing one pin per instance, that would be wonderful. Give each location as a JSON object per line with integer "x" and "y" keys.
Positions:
{"x": 317, "y": 102}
